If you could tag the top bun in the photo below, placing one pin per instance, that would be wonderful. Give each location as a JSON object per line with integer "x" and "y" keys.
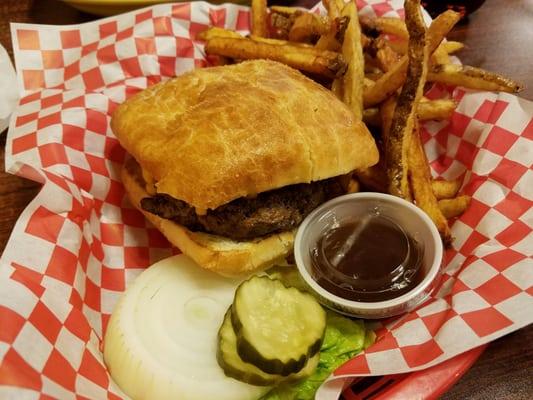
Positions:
{"x": 216, "y": 134}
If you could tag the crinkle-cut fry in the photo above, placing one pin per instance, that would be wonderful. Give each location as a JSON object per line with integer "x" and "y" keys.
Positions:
{"x": 472, "y": 78}
{"x": 308, "y": 26}
{"x": 325, "y": 63}
{"x": 440, "y": 109}
{"x": 259, "y": 18}
{"x": 214, "y": 32}
{"x": 420, "y": 182}
{"x": 395, "y": 77}
{"x": 452, "y": 46}
{"x": 388, "y": 25}
{"x": 452, "y": 208}
{"x": 353, "y": 78}
{"x": 404, "y": 119}
{"x": 444, "y": 189}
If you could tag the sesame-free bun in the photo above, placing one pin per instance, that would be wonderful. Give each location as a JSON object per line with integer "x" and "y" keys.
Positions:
{"x": 216, "y": 134}
{"x": 216, "y": 253}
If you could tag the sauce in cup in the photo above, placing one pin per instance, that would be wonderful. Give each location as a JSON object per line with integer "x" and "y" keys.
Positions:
{"x": 369, "y": 259}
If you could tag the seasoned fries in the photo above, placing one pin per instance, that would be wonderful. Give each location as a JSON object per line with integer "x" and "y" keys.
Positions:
{"x": 472, "y": 78}
{"x": 215, "y": 32}
{"x": 259, "y": 18}
{"x": 395, "y": 77}
{"x": 325, "y": 63}
{"x": 445, "y": 189}
{"x": 452, "y": 46}
{"x": 420, "y": 180}
{"x": 452, "y": 208}
{"x": 391, "y": 26}
{"x": 378, "y": 67}
{"x": 308, "y": 26}
{"x": 352, "y": 81}
{"x": 404, "y": 119}
{"x": 436, "y": 109}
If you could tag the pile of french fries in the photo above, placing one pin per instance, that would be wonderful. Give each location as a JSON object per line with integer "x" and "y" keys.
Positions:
{"x": 379, "y": 67}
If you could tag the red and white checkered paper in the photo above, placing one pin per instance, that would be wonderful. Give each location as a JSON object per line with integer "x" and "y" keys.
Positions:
{"x": 79, "y": 243}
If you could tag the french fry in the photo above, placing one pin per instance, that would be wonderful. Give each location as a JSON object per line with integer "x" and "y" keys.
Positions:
{"x": 331, "y": 7}
{"x": 395, "y": 77}
{"x": 387, "y": 113}
{"x": 353, "y": 54}
{"x": 390, "y": 26}
{"x": 404, "y": 119}
{"x": 353, "y": 186}
{"x": 386, "y": 57}
{"x": 373, "y": 178}
{"x": 399, "y": 46}
{"x": 372, "y": 117}
{"x": 284, "y": 10}
{"x": 445, "y": 189}
{"x": 328, "y": 42}
{"x": 214, "y": 32}
{"x": 472, "y": 78}
{"x": 440, "y": 56}
{"x": 420, "y": 182}
{"x": 259, "y": 18}
{"x": 436, "y": 109}
{"x": 452, "y": 208}
{"x": 324, "y": 63}
{"x": 336, "y": 88}
{"x": 332, "y": 39}
{"x": 373, "y": 76}
{"x": 308, "y": 26}
{"x": 280, "y": 42}
{"x": 452, "y": 46}
{"x": 368, "y": 82}
{"x": 280, "y": 25}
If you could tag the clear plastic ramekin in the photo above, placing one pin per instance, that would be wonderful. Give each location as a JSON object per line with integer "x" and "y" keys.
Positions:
{"x": 345, "y": 208}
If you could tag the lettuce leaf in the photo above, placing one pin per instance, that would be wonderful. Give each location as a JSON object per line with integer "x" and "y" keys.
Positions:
{"x": 343, "y": 339}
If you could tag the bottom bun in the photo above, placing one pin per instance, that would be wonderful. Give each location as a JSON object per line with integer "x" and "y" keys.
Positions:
{"x": 216, "y": 253}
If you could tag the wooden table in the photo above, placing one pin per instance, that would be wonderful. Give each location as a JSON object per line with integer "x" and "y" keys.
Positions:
{"x": 498, "y": 37}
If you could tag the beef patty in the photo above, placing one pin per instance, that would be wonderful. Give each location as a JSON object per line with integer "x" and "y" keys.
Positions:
{"x": 248, "y": 218}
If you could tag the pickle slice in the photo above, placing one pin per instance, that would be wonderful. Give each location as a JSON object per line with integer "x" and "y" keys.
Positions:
{"x": 278, "y": 328}
{"x": 236, "y": 368}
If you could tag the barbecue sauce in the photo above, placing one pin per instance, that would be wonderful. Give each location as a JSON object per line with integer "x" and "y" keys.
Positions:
{"x": 368, "y": 260}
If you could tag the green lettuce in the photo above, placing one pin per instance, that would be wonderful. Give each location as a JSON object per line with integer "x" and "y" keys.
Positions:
{"x": 343, "y": 339}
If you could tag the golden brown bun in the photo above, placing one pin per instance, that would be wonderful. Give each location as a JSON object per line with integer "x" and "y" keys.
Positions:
{"x": 216, "y": 134}
{"x": 212, "y": 252}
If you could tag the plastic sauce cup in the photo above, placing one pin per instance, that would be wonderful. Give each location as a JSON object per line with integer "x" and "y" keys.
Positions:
{"x": 360, "y": 205}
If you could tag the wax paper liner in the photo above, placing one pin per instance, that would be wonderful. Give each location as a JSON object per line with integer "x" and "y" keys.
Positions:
{"x": 79, "y": 243}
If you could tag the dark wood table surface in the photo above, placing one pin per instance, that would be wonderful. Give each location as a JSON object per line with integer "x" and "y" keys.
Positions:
{"x": 498, "y": 37}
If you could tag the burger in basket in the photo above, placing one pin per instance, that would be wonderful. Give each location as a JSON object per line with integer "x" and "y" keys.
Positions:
{"x": 227, "y": 161}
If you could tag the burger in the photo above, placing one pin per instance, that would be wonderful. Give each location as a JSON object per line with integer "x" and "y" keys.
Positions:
{"x": 227, "y": 161}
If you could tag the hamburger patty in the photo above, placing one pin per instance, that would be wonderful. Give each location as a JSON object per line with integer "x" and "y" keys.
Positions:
{"x": 248, "y": 218}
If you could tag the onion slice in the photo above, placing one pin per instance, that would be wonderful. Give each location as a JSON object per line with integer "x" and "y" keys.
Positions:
{"x": 161, "y": 340}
